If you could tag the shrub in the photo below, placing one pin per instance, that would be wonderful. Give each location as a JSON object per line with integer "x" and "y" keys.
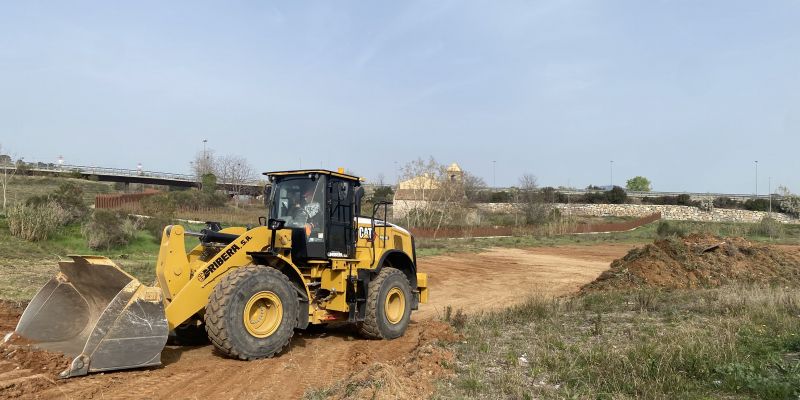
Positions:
{"x": 159, "y": 205}
{"x": 107, "y": 229}
{"x": 726, "y": 202}
{"x": 617, "y": 195}
{"x": 756, "y": 205}
{"x": 594, "y": 198}
{"x": 69, "y": 197}
{"x": 551, "y": 195}
{"x": 500, "y": 197}
{"x": 155, "y": 226}
{"x": 36, "y": 222}
{"x": 706, "y": 205}
{"x": 666, "y": 229}
{"x": 767, "y": 227}
{"x": 791, "y": 205}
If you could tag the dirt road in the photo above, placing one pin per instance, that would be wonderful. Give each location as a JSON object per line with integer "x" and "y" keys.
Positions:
{"x": 492, "y": 279}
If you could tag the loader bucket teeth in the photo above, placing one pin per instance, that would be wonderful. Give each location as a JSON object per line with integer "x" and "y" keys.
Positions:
{"x": 101, "y": 317}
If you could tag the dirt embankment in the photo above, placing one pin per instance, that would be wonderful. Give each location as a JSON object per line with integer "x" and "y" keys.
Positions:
{"x": 701, "y": 261}
{"x": 402, "y": 368}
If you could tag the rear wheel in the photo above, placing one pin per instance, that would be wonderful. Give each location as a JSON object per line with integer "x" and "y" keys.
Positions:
{"x": 252, "y": 313}
{"x": 388, "y": 306}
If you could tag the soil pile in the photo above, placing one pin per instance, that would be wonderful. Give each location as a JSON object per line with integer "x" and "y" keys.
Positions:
{"x": 410, "y": 377}
{"x": 10, "y": 312}
{"x": 24, "y": 369}
{"x": 701, "y": 261}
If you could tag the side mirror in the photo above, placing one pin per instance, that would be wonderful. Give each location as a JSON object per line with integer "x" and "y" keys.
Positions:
{"x": 276, "y": 224}
{"x": 359, "y": 195}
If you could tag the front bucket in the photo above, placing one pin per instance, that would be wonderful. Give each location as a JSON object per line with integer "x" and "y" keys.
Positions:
{"x": 99, "y": 315}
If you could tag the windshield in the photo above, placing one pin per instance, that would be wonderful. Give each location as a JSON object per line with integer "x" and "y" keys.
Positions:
{"x": 298, "y": 201}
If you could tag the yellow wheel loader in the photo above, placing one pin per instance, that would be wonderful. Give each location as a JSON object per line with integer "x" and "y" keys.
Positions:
{"x": 314, "y": 260}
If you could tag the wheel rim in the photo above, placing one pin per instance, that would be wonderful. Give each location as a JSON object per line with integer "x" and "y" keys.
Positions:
{"x": 263, "y": 314}
{"x": 395, "y": 305}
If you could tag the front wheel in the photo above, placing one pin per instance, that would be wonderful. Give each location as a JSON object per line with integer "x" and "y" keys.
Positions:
{"x": 252, "y": 313}
{"x": 388, "y": 306}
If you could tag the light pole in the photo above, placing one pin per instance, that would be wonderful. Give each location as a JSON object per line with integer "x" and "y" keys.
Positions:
{"x": 756, "y": 162}
{"x": 769, "y": 192}
{"x": 203, "y": 167}
{"x": 612, "y": 175}
{"x": 494, "y": 174}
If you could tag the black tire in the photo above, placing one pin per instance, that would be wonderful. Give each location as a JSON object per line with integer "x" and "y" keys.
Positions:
{"x": 224, "y": 317}
{"x": 376, "y": 325}
{"x": 191, "y": 333}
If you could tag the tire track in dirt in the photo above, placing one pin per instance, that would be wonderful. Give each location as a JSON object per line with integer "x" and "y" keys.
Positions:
{"x": 491, "y": 279}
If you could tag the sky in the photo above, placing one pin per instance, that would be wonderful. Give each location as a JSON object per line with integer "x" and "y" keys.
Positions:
{"x": 687, "y": 93}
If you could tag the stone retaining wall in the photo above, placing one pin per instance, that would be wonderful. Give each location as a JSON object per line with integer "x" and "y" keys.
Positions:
{"x": 678, "y": 213}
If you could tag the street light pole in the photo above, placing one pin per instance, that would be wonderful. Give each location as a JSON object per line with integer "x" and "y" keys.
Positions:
{"x": 756, "y": 178}
{"x": 612, "y": 175}
{"x": 770, "y": 195}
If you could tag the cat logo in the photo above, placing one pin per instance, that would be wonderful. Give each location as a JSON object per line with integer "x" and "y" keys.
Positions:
{"x": 364, "y": 232}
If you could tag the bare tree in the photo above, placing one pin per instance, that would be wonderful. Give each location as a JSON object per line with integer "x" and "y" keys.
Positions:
{"x": 235, "y": 172}
{"x": 432, "y": 195}
{"x": 205, "y": 162}
{"x": 530, "y": 199}
{"x": 8, "y": 172}
{"x": 473, "y": 185}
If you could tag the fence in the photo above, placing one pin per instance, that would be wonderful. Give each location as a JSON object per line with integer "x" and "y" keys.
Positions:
{"x": 125, "y": 201}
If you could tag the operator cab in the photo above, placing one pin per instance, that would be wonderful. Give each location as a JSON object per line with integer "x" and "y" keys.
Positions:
{"x": 320, "y": 207}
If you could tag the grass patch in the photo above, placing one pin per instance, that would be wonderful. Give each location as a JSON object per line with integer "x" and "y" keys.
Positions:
{"x": 645, "y": 234}
{"x": 20, "y": 188}
{"x": 26, "y": 266}
{"x": 717, "y": 343}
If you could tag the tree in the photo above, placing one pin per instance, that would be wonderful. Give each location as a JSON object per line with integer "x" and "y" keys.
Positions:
{"x": 530, "y": 199}
{"x": 638, "y": 184}
{"x": 205, "y": 162}
{"x": 235, "y": 172}
{"x": 616, "y": 195}
{"x": 432, "y": 196}
{"x": 790, "y": 203}
{"x": 473, "y": 185}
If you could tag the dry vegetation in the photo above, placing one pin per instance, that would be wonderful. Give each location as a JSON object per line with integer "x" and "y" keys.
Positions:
{"x": 731, "y": 342}
{"x": 685, "y": 317}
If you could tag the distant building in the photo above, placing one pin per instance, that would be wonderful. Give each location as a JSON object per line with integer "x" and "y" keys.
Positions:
{"x": 418, "y": 191}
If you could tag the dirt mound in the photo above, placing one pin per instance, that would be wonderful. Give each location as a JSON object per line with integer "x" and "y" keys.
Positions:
{"x": 10, "y": 312}
{"x": 24, "y": 369}
{"x": 410, "y": 377}
{"x": 700, "y": 261}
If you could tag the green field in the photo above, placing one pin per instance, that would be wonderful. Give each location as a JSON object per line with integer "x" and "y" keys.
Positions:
{"x": 790, "y": 235}
{"x": 21, "y": 188}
